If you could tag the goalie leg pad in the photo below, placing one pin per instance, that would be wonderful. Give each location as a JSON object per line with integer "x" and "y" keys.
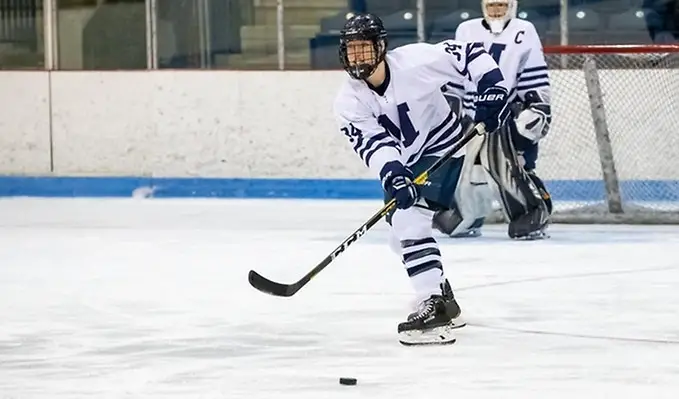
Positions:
{"x": 473, "y": 198}
{"x": 543, "y": 190}
{"x": 519, "y": 196}
{"x": 451, "y": 223}
{"x": 522, "y": 229}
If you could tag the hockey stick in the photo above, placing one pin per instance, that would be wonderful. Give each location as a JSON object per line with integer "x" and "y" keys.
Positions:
{"x": 286, "y": 290}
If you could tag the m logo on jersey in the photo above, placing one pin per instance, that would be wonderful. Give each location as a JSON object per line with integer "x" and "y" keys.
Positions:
{"x": 406, "y": 134}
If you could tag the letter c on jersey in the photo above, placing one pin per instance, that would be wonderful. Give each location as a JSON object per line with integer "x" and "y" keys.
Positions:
{"x": 517, "y": 39}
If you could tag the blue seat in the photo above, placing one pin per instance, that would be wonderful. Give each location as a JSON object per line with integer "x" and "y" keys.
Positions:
{"x": 449, "y": 23}
{"x": 584, "y": 27}
{"x": 383, "y": 8}
{"x": 437, "y": 8}
{"x": 547, "y": 8}
{"x": 604, "y": 6}
{"x": 335, "y": 23}
{"x": 539, "y": 3}
{"x": 402, "y": 20}
{"x": 399, "y": 39}
{"x": 633, "y": 27}
{"x": 579, "y": 19}
{"x": 436, "y": 37}
{"x": 656, "y": 4}
{"x": 324, "y": 51}
{"x": 468, "y": 5}
{"x": 540, "y": 21}
{"x": 635, "y": 19}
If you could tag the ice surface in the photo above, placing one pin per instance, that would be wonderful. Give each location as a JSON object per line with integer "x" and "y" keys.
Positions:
{"x": 149, "y": 299}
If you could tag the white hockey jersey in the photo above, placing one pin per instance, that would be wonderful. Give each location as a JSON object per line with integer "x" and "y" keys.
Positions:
{"x": 412, "y": 119}
{"x": 519, "y": 53}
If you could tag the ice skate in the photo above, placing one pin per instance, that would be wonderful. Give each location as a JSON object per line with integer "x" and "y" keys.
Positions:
{"x": 451, "y": 305}
{"x": 434, "y": 321}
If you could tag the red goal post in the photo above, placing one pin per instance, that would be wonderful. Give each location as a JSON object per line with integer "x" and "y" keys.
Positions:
{"x": 612, "y": 154}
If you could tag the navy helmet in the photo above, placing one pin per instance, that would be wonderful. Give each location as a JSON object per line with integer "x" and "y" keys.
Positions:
{"x": 368, "y": 27}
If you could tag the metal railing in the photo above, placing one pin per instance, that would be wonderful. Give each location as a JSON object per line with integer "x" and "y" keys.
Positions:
{"x": 200, "y": 20}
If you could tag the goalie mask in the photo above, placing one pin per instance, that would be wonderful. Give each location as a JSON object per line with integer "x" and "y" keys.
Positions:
{"x": 363, "y": 45}
{"x": 497, "y": 13}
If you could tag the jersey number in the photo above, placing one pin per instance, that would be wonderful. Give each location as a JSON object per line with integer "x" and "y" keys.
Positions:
{"x": 454, "y": 49}
{"x": 407, "y": 133}
{"x": 496, "y": 50}
{"x": 351, "y": 132}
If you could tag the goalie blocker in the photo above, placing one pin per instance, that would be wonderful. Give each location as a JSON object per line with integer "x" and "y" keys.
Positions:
{"x": 492, "y": 170}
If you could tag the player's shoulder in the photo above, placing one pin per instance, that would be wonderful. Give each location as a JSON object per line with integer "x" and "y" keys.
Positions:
{"x": 405, "y": 52}
{"x": 414, "y": 55}
{"x": 522, "y": 24}
{"x": 348, "y": 96}
{"x": 474, "y": 23}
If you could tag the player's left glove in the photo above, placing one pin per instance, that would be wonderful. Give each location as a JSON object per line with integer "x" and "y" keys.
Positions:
{"x": 492, "y": 108}
{"x": 397, "y": 180}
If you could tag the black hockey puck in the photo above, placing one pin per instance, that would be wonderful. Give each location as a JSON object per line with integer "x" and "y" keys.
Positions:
{"x": 348, "y": 381}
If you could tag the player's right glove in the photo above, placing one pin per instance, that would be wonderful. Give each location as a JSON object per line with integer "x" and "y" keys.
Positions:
{"x": 492, "y": 108}
{"x": 397, "y": 180}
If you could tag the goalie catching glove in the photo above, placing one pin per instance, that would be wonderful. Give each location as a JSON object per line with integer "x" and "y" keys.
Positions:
{"x": 533, "y": 122}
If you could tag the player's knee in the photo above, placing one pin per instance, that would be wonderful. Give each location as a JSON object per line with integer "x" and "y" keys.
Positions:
{"x": 394, "y": 243}
{"x": 411, "y": 223}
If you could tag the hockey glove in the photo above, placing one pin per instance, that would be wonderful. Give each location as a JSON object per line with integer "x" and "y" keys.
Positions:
{"x": 533, "y": 122}
{"x": 492, "y": 108}
{"x": 397, "y": 180}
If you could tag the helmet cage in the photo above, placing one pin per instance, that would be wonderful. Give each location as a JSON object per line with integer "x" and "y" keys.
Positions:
{"x": 362, "y": 70}
{"x": 497, "y": 24}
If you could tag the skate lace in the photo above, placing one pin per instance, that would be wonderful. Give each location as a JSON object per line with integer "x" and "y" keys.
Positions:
{"x": 424, "y": 310}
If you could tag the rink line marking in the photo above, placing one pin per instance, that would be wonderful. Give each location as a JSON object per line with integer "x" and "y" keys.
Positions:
{"x": 566, "y": 276}
{"x": 530, "y": 280}
{"x": 572, "y": 335}
{"x": 562, "y": 334}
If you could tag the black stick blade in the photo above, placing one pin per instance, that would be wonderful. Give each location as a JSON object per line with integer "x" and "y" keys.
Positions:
{"x": 267, "y": 286}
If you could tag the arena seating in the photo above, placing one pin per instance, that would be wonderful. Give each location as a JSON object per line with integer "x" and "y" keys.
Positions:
{"x": 589, "y": 22}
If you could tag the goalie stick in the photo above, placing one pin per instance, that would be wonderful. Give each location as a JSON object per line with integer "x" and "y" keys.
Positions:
{"x": 287, "y": 290}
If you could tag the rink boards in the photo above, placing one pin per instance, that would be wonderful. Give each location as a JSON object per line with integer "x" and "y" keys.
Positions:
{"x": 242, "y": 134}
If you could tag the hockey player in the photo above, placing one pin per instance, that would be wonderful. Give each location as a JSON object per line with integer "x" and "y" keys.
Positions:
{"x": 397, "y": 120}
{"x": 514, "y": 44}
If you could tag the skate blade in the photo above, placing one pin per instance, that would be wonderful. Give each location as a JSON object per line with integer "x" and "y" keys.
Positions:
{"x": 457, "y": 323}
{"x": 436, "y": 336}
{"x": 474, "y": 233}
{"x": 534, "y": 236}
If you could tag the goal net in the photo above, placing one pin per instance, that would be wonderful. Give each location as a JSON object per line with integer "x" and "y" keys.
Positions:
{"x": 612, "y": 154}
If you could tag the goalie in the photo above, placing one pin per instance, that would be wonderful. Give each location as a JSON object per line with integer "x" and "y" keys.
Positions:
{"x": 516, "y": 47}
